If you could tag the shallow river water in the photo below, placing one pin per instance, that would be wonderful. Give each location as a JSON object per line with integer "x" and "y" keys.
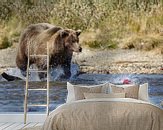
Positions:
{"x": 12, "y": 93}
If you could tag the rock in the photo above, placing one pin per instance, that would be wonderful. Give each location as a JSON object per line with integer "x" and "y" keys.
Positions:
{"x": 9, "y": 77}
{"x": 82, "y": 61}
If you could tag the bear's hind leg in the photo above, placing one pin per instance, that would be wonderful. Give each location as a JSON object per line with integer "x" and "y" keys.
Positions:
{"x": 23, "y": 69}
{"x": 21, "y": 62}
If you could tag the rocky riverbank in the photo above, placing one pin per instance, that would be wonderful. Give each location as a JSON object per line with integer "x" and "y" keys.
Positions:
{"x": 136, "y": 68}
{"x": 103, "y": 61}
{"x": 119, "y": 61}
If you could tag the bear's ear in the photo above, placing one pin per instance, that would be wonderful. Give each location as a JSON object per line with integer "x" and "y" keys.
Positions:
{"x": 64, "y": 33}
{"x": 78, "y": 32}
{"x": 53, "y": 30}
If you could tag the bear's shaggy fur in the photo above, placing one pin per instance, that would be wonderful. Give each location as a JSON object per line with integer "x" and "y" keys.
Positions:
{"x": 62, "y": 43}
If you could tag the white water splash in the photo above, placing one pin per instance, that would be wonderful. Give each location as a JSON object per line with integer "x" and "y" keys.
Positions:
{"x": 54, "y": 74}
{"x": 15, "y": 72}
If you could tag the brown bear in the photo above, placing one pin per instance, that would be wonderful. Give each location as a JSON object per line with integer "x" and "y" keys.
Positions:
{"x": 62, "y": 43}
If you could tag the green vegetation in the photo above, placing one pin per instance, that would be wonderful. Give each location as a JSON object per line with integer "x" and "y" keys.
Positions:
{"x": 5, "y": 43}
{"x": 105, "y": 23}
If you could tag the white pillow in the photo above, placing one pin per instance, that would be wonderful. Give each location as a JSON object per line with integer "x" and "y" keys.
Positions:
{"x": 143, "y": 92}
{"x": 103, "y": 95}
{"x": 131, "y": 90}
{"x": 106, "y": 89}
{"x": 122, "y": 85}
{"x": 76, "y": 92}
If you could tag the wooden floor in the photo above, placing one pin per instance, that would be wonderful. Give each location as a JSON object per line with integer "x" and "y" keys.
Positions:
{"x": 17, "y": 126}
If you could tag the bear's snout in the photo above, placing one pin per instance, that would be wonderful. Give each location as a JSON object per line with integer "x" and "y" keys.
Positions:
{"x": 80, "y": 49}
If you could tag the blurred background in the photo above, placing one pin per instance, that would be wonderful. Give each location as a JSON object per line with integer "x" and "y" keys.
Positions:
{"x": 105, "y": 24}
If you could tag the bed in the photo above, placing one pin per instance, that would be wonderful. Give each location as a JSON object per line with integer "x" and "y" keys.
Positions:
{"x": 103, "y": 113}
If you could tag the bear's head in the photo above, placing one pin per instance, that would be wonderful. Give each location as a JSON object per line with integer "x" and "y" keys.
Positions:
{"x": 64, "y": 39}
{"x": 71, "y": 39}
